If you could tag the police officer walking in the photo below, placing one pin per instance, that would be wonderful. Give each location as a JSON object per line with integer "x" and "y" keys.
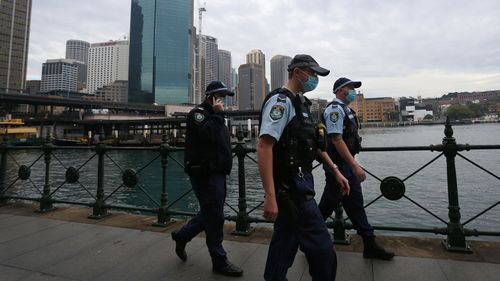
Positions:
{"x": 287, "y": 146}
{"x": 207, "y": 160}
{"x": 343, "y": 144}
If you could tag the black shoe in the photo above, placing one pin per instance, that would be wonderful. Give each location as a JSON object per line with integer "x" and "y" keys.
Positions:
{"x": 180, "y": 246}
{"x": 372, "y": 250}
{"x": 228, "y": 269}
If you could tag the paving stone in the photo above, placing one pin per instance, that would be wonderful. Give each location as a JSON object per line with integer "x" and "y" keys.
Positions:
{"x": 12, "y": 273}
{"x": 408, "y": 269}
{"x": 470, "y": 271}
{"x": 43, "y": 238}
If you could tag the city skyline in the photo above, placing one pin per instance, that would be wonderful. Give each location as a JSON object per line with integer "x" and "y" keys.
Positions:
{"x": 407, "y": 49}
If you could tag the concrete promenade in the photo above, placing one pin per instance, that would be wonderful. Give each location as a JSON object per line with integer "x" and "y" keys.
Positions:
{"x": 65, "y": 245}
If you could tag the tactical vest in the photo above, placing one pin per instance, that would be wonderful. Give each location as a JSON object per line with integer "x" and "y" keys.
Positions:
{"x": 295, "y": 151}
{"x": 349, "y": 134}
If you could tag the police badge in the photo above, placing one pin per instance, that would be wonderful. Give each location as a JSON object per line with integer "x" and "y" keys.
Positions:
{"x": 334, "y": 116}
{"x": 276, "y": 112}
{"x": 198, "y": 117}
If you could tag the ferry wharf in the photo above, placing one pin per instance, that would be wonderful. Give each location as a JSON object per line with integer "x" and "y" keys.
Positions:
{"x": 66, "y": 245}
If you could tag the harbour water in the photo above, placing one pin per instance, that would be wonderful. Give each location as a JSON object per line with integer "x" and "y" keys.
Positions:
{"x": 477, "y": 189}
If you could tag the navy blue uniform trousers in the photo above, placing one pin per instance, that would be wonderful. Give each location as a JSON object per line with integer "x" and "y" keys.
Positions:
{"x": 211, "y": 194}
{"x": 310, "y": 233}
{"x": 353, "y": 204}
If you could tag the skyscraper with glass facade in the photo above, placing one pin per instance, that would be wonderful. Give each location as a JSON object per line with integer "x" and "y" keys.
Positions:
{"x": 160, "y": 63}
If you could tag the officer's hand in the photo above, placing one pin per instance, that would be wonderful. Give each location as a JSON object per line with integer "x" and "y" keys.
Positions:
{"x": 343, "y": 182}
{"x": 359, "y": 173}
{"x": 217, "y": 105}
{"x": 270, "y": 208}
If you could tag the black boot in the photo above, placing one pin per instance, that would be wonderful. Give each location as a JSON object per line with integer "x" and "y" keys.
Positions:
{"x": 372, "y": 250}
{"x": 228, "y": 269}
{"x": 180, "y": 246}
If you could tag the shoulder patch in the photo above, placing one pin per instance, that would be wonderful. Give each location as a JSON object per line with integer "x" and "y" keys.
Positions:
{"x": 199, "y": 117}
{"x": 334, "y": 116}
{"x": 281, "y": 98}
{"x": 277, "y": 111}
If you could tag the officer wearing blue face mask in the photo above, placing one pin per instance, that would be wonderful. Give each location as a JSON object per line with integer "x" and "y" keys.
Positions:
{"x": 343, "y": 143}
{"x": 289, "y": 141}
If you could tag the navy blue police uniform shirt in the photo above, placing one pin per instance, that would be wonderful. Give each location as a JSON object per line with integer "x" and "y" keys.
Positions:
{"x": 277, "y": 112}
{"x": 208, "y": 138}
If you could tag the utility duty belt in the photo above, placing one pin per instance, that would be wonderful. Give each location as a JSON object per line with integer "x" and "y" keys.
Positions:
{"x": 200, "y": 168}
{"x": 290, "y": 203}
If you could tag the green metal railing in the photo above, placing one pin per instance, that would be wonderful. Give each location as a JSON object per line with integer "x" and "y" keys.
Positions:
{"x": 392, "y": 188}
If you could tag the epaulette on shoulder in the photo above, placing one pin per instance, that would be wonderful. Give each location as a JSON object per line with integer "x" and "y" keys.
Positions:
{"x": 282, "y": 97}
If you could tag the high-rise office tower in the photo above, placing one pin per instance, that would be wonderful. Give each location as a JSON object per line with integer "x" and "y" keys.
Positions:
{"x": 78, "y": 50}
{"x": 209, "y": 57}
{"x": 225, "y": 68}
{"x": 279, "y": 71}
{"x": 108, "y": 62}
{"x": 251, "y": 86}
{"x": 161, "y": 49}
{"x": 233, "y": 101}
{"x": 15, "y": 16}
{"x": 59, "y": 74}
{"x": 257, "y": 57}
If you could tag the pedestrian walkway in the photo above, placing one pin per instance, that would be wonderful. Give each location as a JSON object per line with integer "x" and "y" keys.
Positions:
{"x": 37, "y": 248}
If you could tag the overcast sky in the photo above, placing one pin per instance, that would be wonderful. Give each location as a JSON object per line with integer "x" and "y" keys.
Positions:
{"x": 396, "y": 48}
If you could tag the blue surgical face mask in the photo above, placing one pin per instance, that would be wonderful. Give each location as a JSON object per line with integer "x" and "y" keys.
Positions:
{"x": 310, "y": 84}
{"x": 351, "y": 96}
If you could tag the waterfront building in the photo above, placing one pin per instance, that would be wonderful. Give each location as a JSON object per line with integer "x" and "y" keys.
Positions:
{"x": 15, "y": 17}
{"x": 107, "y": 62}
{"x": 374, "y": 109}
{"x": 59, "y": 74}
{"x": 114, "y": 92}
{"x": 161, "y": 51}
{"x": 33, "y": 86}
{"x": 78, "y": 50}
{"x": 317, "y": 108}
{"x": 279, "y": 71}
{"x": 251, "y": 86}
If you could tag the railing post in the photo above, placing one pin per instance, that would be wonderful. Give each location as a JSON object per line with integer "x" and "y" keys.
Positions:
{"x": 339, "y": 235}
{"x": 3, "y": 168}
{"x": 163, "y": 216}
{"x": 242, "y": 220}
{"x": 46, "y": 201}
{"x": 455, "y": 231}
{"x": 99, "y": 210}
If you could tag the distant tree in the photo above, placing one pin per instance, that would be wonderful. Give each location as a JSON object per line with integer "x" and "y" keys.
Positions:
{"x": 459, "y": 112}
{"x": 478, "y": 109}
